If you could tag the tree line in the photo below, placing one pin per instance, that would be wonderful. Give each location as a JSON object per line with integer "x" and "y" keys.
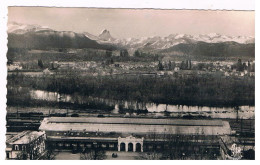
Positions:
{"x": 189, "y": 90}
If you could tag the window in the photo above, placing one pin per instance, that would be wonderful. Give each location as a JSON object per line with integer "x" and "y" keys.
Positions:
{"x": 16, "y": 147}
{"x": 23, "y": 147}
{"x": 111, "y": 145}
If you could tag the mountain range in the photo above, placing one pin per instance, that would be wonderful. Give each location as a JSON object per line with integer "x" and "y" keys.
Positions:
{"x": 39, "y": 37}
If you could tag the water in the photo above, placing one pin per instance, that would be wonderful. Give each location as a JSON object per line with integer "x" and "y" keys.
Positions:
{"x": 245, "y": 112}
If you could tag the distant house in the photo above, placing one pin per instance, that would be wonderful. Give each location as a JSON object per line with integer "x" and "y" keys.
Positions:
{"x": 161, "y": 73}
{"x": 47, "y": 71}
{"x": 226, "y": 74}
{"x": 27, "y": 143}
{"x": 13, "y": 67}
{"x": 116, "y": 53}
{"x": 176, "y": 68}
{"x": 71, "y": 51}
{"x": 252, "y": 73}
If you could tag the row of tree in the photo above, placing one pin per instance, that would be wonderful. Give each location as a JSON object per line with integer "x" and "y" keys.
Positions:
{"x": 190, "y": 90}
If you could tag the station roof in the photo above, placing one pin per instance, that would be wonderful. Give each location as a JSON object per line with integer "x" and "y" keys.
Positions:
{"x": 137, "y": 121}
{"x": 24, "y": 137}
{"x": 136, "y": 125}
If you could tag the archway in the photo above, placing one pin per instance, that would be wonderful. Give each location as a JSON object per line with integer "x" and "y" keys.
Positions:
{"x": 138, "y": 147}
{"x": 130, "y": 147}
{"x": 122, "y": 146}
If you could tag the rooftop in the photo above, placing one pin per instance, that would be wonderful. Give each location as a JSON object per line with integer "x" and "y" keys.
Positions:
{"x": 24, "y": 137}
{"x": 136, "y": 121}
{"x": 136, "y": 125}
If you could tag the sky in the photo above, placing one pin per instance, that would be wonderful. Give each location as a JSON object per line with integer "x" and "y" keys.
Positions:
{"x": 125, "y": 23}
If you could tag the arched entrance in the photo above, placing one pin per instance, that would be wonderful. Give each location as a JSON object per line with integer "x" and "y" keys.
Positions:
{"x": 129, "y": 144}
{"x": 122, "y": 146}
{"x": 138, "y": 147}
{"x": 130, "y": 147}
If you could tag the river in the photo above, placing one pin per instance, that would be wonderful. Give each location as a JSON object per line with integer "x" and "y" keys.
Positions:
{"x": 245, "y": 112}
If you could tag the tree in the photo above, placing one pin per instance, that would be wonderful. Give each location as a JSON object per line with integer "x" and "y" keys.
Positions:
{"x": 201, "y": 66}
{"x": 108, "y": 53}
{"x": 236, "y": 152}
{"x": 40, "y": 64}
{"x": 111, "y": 61}
{"x": 93, "y": 154}
{"x": 160, "y": 66}
{"x": 189, "y": 64}
{"x": 9, "y": 62}
{"x": 183, "y": 66}
{"x": 49, "y": 153}
{"x": 169, "y": 65}
{"x": 137, "y": 53}
{"x": 150, "y": 156}
{"x": 124, "y": 53}
{"x": 22, "y": 156}
{"x": 240, "y": 66}
{"x": 30, "y": 151}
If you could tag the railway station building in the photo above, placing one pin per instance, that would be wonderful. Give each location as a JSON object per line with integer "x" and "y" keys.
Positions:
{"x": 132, "y": 134}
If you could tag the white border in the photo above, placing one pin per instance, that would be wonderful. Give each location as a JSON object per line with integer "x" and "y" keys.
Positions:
{"x": 163, "y": 4}
{"x": 166, "y": 4}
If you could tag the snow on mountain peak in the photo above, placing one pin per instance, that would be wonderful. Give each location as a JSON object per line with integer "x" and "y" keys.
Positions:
{"x": 19, "y": 28}
{"x": 212, "y": 35}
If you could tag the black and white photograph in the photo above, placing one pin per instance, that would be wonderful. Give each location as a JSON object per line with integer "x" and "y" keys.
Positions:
{"x": 98, "y": 83}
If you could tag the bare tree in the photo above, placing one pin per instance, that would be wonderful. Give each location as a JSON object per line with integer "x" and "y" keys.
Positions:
{"x": 93, "y": 154}
{"x": 49, "y": 153}
{"x": 150, "y": 156}
{"x": 29, "y": 151}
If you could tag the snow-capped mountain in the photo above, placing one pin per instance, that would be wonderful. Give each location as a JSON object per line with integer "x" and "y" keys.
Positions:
{"x": 18, "y": 28}
{"x": 71, "y": 39}
{"x": 157, "y": 42}
{"x": 175, "y": 39}
{"x": 39, "y": 37}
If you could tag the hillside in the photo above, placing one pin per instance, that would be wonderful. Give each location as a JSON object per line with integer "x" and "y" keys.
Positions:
{"x": 223, "y": 49}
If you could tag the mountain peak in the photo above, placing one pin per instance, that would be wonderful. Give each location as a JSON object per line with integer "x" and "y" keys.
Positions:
{"x": 104, "y": 31}
{"x": 105, "y": 35}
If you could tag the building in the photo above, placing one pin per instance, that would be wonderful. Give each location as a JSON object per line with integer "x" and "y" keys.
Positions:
{"x": 47, "y": 71}
{"x": 131, "y": 134}
{"x": 13, "y": 67}
{"x": 28, "y": 143}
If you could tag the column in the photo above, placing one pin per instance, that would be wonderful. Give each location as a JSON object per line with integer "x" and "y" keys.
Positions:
{"x": 142, "y": 148}
{"x": 126, "y": 147}
{"x": 118, "y": 146}
{"x": 134, "y": 147}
